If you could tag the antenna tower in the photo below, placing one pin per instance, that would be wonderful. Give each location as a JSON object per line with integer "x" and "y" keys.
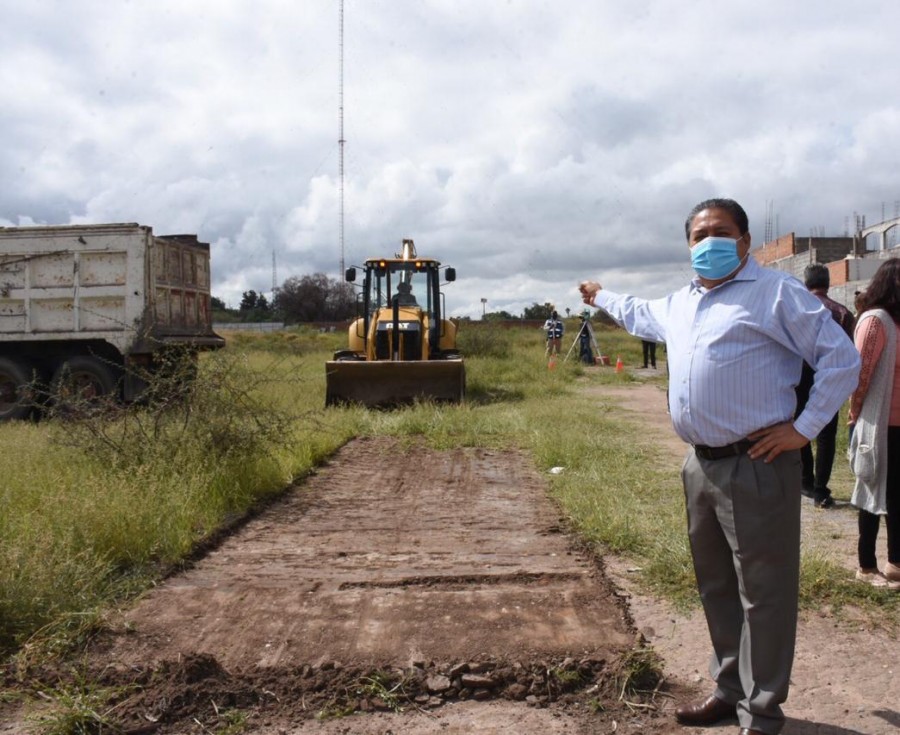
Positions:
{"x": 341, "y": 140}
{"x": 770, "y": 209}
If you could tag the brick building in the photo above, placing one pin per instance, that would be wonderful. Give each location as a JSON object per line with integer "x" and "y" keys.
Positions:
{"x": 849, "y": 263}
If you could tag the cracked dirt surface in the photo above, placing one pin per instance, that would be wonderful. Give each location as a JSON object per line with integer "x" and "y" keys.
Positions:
{"x": 388, "y": 555}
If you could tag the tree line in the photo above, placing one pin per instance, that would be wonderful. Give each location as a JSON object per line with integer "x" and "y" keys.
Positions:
{"x": 311, "y": 298}
{"x": 319, "y": 298}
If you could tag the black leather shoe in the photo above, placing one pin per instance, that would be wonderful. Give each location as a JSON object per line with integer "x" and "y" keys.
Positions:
{"x": 708, "y": 712}
{"x": 748, "y": 731}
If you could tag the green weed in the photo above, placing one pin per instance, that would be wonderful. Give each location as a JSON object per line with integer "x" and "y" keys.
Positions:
{"x": 641, "y": 672}
{"x": 380, "y": 686}
{"x": 81, "y": 708}
{"x": 566, "y": 677}
{"x": 231, "y": 722}
{"x": 487, "y": 340}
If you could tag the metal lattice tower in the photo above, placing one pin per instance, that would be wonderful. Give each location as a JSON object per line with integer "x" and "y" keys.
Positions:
{"x": 341, "y": 140}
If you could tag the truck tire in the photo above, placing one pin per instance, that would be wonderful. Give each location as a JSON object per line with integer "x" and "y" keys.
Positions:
{"x": 82, "y": 382}
{"x": 15, "y": 394}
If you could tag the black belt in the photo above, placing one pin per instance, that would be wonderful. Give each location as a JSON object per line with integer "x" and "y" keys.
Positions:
{"x": 729, "y": 450}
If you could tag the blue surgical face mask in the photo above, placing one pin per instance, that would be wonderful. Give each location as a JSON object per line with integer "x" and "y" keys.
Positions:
{"x": 715, "y": 257}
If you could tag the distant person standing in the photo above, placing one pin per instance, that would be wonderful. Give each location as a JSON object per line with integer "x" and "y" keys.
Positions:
{"x": 554, "y": 328}
{"x": 649, "y": 347}
{"x": 875, "y": 416}
{"x": 816, "y": 474}
{"x": 584, "y": 342}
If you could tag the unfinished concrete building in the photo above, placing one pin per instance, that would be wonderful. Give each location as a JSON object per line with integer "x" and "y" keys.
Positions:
{"x": 851, "y": 261}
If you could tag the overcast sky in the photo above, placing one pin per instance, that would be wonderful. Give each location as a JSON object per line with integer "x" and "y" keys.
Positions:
{"x": 529, "y": 144}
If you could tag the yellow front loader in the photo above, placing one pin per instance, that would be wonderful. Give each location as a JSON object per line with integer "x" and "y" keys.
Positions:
{"x": 401, "y": 349}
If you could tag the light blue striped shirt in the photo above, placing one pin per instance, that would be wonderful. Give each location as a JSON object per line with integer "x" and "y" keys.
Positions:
{"x": 735, "y": 353}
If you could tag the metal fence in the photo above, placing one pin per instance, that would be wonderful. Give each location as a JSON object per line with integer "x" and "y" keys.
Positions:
{"x": 248, "y": 326}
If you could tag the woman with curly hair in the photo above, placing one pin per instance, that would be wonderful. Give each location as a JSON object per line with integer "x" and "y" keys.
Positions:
{"x": 875, "y": 414}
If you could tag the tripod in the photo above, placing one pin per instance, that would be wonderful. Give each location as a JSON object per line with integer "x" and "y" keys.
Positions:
{"x": 588, "y": 330}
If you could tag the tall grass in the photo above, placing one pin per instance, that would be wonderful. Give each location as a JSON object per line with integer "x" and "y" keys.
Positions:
{"x": 94, "y": 507}
{"x": 91, "y": 512}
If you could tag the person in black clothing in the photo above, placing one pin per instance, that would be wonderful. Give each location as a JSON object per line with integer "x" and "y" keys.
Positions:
{"x": 584, "y": 343}
{"x": 404, "y": 296}
{"x": 649, "y": 352}
{"x": 817, "y": 473}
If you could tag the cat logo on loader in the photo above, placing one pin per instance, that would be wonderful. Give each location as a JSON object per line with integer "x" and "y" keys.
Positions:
{"x": 401, "y": 349}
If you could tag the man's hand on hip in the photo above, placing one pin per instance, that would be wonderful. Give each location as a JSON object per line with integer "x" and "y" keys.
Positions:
{"x": 772, "y": 441}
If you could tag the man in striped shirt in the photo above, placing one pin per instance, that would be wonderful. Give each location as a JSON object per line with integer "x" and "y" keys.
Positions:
{"x": 737, "y": 336}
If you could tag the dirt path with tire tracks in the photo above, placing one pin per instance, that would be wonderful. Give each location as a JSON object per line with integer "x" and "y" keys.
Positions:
{"x": 441, "y": 583}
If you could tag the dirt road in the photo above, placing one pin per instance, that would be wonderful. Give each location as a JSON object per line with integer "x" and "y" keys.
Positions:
{"x": 442, "y": 584}
{"x": 439, "y": 582}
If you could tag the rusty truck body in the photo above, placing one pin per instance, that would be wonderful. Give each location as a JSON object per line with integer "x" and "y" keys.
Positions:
{"x": 97, "y": 304}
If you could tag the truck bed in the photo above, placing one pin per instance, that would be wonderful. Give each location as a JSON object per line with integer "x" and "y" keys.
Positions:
{"x": 116, "y": 282}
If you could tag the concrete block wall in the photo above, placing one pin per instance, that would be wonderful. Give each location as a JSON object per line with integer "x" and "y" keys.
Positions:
{"x": 846, "y": 293}
{"x": 829, "y": 249}
{"x": 848, "y": 275}
{"x": 813, "y": 249}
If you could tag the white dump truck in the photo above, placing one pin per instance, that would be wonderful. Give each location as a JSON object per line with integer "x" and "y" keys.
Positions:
{"x": 97, "y": 306}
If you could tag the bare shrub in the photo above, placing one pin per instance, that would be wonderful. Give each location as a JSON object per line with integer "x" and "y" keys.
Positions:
{"x": 219, "y": 408}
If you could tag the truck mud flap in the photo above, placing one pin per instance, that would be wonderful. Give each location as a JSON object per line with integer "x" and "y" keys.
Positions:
{"x": 386, "y": 383}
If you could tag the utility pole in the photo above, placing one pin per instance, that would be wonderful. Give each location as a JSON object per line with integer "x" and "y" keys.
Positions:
{"x": 483, "y": 308}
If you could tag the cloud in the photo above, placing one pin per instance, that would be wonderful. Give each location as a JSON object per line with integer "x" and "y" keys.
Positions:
{"x": 529, "y": 145}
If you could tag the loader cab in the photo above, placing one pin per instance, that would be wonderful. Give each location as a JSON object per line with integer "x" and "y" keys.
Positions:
{"x": 409, "y": 284}
{"x": 401, "y": 296}
{"x": 400, "y": 347}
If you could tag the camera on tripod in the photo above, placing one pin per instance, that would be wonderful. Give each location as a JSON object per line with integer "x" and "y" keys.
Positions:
{"x": 585, "y": 339}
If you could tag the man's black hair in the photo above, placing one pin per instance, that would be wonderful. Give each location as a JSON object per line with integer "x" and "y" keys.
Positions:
{"x": 816, "y": 275}
{"x": 729, "y": 205}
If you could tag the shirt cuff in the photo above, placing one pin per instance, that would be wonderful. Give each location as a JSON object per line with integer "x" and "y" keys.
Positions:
{"x": 806, "y": 426}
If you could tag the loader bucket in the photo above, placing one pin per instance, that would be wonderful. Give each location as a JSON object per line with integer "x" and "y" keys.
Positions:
{"x": 385, "y": 383}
